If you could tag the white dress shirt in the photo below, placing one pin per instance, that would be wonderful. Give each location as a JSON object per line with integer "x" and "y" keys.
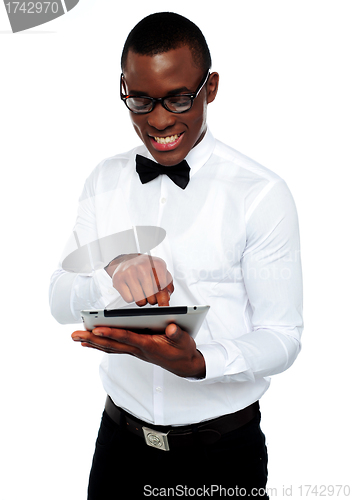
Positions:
{"x": 232, "y": 242}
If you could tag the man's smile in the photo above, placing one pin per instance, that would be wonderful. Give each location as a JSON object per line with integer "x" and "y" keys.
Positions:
{"x": 167, "y": 143}
{"x": 165, "y": 140}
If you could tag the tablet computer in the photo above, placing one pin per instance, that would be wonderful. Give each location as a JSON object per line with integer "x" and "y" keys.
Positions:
{"x": 152, "y": 320}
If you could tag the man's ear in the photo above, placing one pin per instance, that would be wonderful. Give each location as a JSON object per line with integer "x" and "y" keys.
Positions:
{"x": 123, "y": 85}
{"x": 212, "y": 87}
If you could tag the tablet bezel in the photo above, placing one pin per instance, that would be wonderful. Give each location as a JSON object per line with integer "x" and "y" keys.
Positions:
{"x": 151, "y": 320}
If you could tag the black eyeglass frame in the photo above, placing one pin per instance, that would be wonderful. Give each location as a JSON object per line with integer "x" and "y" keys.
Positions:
{"x": 154, "y": 100}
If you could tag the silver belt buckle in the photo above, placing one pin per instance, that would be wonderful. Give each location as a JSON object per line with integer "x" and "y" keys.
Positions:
{"x": 156, "y": 439}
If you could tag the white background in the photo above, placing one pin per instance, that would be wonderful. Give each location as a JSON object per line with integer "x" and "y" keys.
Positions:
{"x": 285, "y": 101}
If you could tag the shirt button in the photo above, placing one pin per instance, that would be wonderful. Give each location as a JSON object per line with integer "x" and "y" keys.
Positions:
{"x": 163, "y": 200}
{"x": 158, "y": 389}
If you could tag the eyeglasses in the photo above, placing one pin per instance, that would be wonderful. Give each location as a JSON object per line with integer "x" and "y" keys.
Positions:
{"x": 179, "y": 103}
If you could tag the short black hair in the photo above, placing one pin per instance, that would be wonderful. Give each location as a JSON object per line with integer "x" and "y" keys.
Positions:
{"x": 164, "y": 31}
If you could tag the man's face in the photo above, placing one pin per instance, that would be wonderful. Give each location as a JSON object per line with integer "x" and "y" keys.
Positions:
{"x": 169, "y": 136}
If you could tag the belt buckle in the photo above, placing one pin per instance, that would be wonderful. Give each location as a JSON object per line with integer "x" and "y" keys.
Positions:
{"x": 156, "y": 439}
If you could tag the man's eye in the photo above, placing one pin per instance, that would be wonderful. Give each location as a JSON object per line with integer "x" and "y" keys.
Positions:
{"x": 139, "y": 102}
{"x": 178, "y": 102}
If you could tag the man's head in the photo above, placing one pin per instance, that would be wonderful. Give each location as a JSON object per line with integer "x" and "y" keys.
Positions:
{"x": 167, "y": 55}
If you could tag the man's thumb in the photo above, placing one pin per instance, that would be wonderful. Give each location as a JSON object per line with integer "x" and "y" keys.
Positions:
{"x": 173, "y": 332}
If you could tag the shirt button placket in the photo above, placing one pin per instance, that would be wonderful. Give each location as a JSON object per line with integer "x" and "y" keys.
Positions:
{"x": 158, "y": 396}
{"x": 162, "y": 199}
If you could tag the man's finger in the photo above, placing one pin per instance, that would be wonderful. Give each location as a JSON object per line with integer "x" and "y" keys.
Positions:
{"x": 123, "y": 290}
{"x": 163, "y": 297}
{"x": 147, "y": 284}
{"x": 137, "y": 292}
{"x": 161, "y": 275}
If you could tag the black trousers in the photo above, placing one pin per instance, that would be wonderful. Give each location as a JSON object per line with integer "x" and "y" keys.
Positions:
{"x": 124, "y": 466}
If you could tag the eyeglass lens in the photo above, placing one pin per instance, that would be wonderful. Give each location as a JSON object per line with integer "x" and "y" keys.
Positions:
{"x": 176, "y": 104}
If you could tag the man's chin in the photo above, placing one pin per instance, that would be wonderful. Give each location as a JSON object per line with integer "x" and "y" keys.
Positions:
{"x": 168, "y": 159}
{"x": 168, "y": 154}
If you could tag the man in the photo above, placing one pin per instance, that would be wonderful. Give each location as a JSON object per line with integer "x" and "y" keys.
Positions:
{"x": 231, "y": 242}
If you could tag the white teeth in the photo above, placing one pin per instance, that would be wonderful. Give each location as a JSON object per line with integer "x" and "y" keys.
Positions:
{"x": 167, "y": 140}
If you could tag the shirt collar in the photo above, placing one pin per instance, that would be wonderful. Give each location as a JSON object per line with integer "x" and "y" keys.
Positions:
{"x": 201, "y": 153}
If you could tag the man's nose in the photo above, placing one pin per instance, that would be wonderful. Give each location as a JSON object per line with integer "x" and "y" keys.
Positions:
{"x": 160, "y": 118}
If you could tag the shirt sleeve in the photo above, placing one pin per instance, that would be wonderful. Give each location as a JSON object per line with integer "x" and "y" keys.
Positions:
{"x": 271, "y": 267}
{"x": 71, "y": 292}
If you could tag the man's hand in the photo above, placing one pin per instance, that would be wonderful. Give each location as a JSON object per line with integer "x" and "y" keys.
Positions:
{"x": 175, "y": 350}
{"x": 141, "y": 279}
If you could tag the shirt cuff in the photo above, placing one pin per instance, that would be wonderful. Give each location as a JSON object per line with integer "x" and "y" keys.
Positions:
{"x": 103, "y": 283}
{"x": 223, "y": 362}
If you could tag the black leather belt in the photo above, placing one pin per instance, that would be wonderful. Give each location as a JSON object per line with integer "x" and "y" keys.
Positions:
{"x": 170, "y": 437}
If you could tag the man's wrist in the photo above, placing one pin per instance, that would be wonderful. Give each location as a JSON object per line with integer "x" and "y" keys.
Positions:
{"x": 110, "y": 268}
{"x": 200, "y": 369}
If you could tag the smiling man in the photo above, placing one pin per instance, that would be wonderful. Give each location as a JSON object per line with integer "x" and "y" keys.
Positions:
{"x": 184, "y": 413}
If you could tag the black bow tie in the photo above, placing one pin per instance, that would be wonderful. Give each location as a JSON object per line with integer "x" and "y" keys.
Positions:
{"x": 149, "y": 170}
